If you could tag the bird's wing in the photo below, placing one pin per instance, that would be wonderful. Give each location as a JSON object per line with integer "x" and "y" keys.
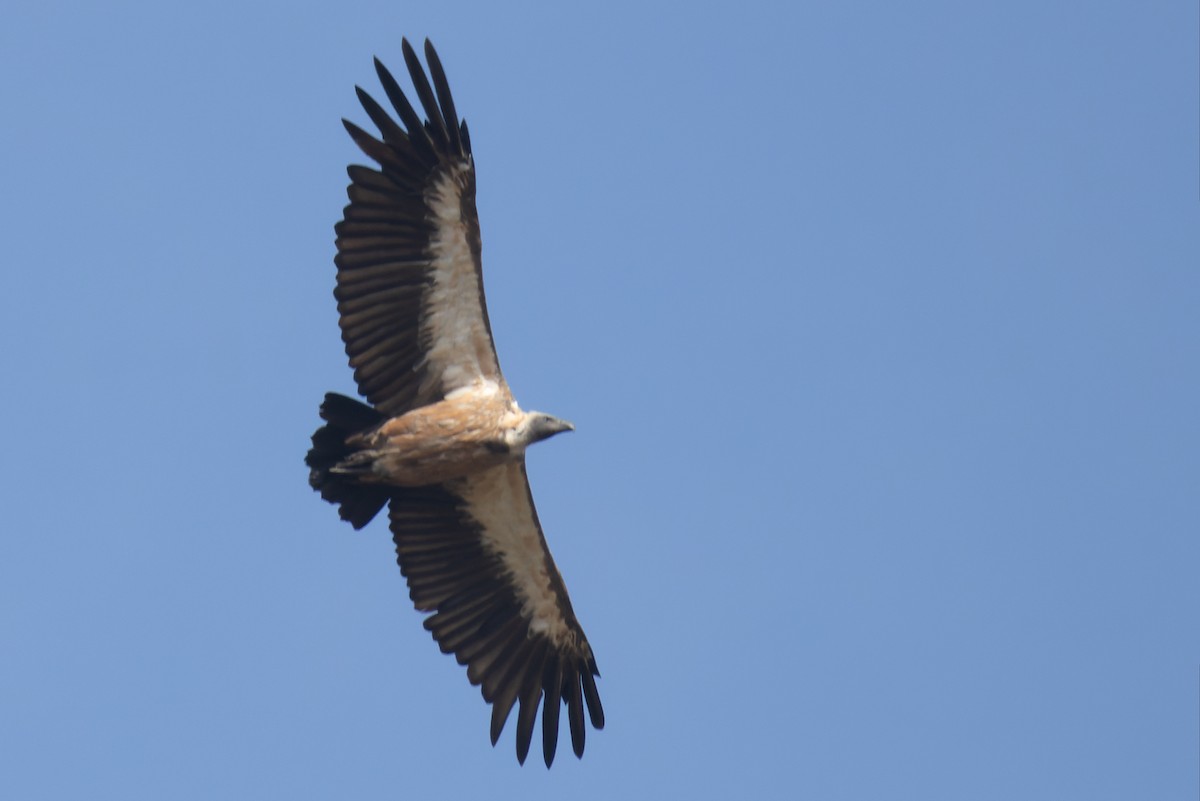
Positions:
{"x": 474, "y": 556}
{"x": 409, "y": 281}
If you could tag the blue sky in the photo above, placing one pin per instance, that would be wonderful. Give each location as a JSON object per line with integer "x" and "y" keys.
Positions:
{"x": 879, "y": 323}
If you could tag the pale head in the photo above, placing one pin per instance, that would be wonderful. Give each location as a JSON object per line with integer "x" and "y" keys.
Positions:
{"x": 537, "y": 426}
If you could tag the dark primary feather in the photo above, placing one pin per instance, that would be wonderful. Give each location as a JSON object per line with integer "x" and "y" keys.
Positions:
{"x": 416, "y": 131}
{"x": 442, "y": 86}
{"x": 433, "y": 114}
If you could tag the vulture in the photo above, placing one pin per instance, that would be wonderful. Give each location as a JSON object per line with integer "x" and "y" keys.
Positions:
{"x": 440, "y": 440}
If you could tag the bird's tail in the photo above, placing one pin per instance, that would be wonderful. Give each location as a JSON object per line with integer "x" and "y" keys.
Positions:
{"x": 344, "y": 417}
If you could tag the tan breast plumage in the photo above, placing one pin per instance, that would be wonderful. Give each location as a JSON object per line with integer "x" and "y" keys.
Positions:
{"x": 445, "y": 440}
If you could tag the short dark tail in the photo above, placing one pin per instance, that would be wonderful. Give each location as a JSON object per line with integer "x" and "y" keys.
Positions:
{"x": 344, "y": 417}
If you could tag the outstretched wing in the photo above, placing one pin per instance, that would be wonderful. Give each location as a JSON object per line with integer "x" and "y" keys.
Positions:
{"x": 409, "y": 280}
{"x": 474, "y": 556}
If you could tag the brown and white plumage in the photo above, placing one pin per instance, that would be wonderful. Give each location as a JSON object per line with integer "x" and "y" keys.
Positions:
{"x": 442, "y": 442}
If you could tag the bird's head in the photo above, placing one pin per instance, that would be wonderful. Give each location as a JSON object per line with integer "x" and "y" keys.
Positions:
{"x": 538, "y": 426}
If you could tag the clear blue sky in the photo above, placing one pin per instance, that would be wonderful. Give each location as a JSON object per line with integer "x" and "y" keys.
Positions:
{"x": 880, "y": 324}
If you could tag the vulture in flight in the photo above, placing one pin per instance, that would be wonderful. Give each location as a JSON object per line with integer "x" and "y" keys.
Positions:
{"x": 441, "y": 441}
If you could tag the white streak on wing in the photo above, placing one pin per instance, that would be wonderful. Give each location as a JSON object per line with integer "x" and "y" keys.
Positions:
{"x": 484, "y": 389}
{"x": 499, "y": 500}
{"x": 460, "y": 350}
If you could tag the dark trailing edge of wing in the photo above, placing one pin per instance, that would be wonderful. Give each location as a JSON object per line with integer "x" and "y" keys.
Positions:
{"x": 476, "y": 615}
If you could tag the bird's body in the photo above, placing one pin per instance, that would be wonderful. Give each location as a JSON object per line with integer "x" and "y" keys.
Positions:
{"x": 442, "y": 442}
{"x": 450, "y": 439}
